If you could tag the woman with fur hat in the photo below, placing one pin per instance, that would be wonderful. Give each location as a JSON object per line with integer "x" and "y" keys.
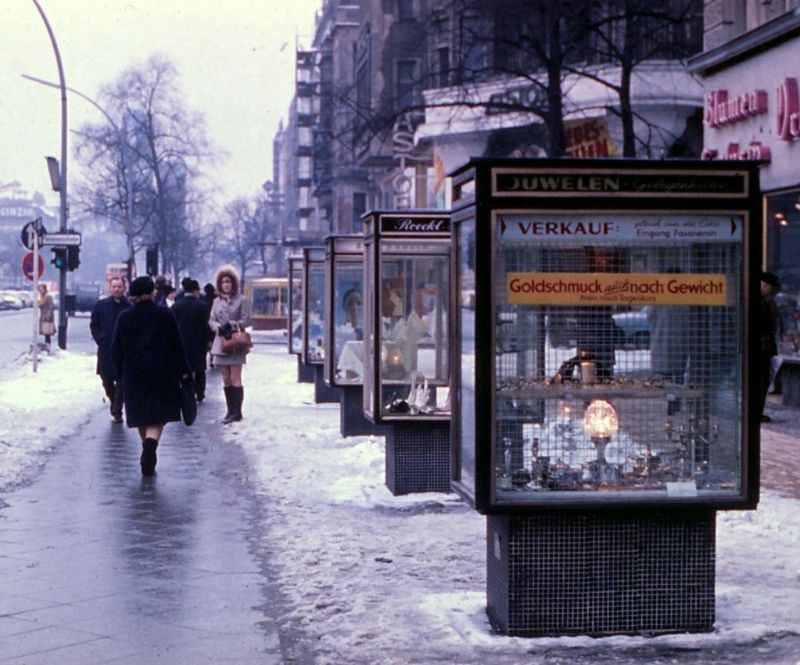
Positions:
{"x": 228, "y": 314}
{"x": 148, "y": 356}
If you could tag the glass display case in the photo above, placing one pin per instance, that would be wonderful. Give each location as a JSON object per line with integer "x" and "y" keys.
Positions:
{"x": 313, "y": 305}
{"x": 603, "y": 334}
{"x": 344, "y": 311}
{"x": 406, "y": 316}
{"x": 295, "y": 302}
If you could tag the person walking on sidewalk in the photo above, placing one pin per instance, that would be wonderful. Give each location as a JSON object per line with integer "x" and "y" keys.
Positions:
{"x": 768, "y": 347}
{"x": 207, "y": 298}
{"x": 101, "y": 325}
{"x": 149, "y": 358}
{"x": 192, "y": 318}
{"x": 47, "y": 315}
{"x": 229, "y": 313}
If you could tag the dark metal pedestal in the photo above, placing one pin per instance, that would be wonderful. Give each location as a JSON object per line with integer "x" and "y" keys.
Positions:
{"x": 600, "y": 573}
{"x": 418, "y": 457}
{"x": 305, "y": 373}
{"x": 351, "y": 414}
{"x": 322, "y": 391}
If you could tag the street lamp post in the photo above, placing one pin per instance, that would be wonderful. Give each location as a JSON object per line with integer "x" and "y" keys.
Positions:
{"x": 121, "y": 133}
{"x": 62, "y": 189}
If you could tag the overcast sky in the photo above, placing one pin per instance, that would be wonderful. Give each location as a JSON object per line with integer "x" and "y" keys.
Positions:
{"x": 234, "y": 57}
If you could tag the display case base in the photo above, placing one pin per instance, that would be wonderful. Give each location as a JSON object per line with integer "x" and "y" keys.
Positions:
{"x": 323, "y": 393}
{"x": 601, "y": 573}
{"x": 351, "y": 414}
{"x": 418, "y": 457}
{"x": 305, "y": 373}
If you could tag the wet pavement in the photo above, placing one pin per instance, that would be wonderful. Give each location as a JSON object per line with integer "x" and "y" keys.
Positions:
{"x": 780, "y": 449}
{"x": 100, "y": 565}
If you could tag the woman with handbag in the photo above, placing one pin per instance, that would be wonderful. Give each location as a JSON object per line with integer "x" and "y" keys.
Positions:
{"x": 47, "y": 314}
{"x": 229, "y": 317}
{"x": 148, "y": 356}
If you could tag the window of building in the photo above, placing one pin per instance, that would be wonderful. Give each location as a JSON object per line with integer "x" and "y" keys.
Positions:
{"x": 406, "y": 83}
{"x": 442, "y": 74}
{"x": 405, "y": 9}
{"x": 359, "y": 208}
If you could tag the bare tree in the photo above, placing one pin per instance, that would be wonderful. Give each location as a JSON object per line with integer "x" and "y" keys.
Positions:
{"x": 151, "y": 160}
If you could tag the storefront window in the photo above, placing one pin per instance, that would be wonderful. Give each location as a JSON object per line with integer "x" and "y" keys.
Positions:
{"x": 783, "y": 247}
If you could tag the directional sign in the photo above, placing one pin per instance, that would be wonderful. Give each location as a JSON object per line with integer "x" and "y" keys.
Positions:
{"x": 30, "y": 230}
{"x": 62, "y": 239}
{"x": 27, "y": 266}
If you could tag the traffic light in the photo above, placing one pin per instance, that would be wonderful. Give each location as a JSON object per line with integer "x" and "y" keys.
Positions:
{"x": 73, "y": 257}
{"x": 59, "y": 259}
{"x": 151, "y": 260}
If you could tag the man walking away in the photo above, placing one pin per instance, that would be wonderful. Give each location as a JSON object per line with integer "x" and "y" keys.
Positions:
{"x": 104, "y": 318}
{"x": 192, "y": 318}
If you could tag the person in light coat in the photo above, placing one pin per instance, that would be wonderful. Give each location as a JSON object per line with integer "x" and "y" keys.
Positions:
{"x": 230, "y": 312}
{"x": 47, "y": 316}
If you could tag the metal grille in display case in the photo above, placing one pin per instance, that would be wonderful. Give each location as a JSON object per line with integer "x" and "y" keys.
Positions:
{"x": 617, "y": 363}
{"x": 418, "y": 457}
{"x": 593, "y": 573}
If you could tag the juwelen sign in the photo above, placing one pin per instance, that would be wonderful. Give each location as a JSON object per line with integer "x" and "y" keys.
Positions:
{"x": 27, "y": 266}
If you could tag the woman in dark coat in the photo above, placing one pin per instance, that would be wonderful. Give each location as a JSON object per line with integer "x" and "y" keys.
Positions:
{"x": 149, "y": 357}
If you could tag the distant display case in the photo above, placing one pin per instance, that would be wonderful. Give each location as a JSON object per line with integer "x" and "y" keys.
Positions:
{"x": 295, "y": 302}
{"x": 605, "y": 334}
{"x": 406, "y": 316}
{"x": 344, "y": 311}
{"x": 313, "y": 305}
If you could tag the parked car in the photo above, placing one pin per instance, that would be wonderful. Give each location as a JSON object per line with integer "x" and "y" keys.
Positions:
{"x": 633, "y": 328}
{"x": 10, "y": 300}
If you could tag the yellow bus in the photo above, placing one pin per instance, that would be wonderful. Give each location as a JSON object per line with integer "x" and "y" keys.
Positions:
{"x": 269, "y": 302}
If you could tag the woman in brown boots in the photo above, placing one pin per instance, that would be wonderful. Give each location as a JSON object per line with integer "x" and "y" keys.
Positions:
{"x": 229, "y": 313}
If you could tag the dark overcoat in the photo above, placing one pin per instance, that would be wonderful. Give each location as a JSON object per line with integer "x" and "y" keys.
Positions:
{"x": 192, "y": 317}
{"x": 150, "y": 360}
{"x": 101, "y": 325}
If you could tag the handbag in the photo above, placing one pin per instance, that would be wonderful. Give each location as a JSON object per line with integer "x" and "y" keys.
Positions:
{"x": 188, "y": 402}
{"x": 239, "y": 342}
{"x": 48, "y": 328}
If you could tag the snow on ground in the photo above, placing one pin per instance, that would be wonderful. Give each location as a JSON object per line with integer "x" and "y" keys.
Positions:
{"x": 38, "y": 409}
{"x": 374, "y": 578}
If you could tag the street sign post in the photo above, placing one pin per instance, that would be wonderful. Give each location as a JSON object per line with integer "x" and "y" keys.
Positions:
{"x": 31, "y": 230}
{"x": 27, "y": 266}
{"x": 62, "y": 239}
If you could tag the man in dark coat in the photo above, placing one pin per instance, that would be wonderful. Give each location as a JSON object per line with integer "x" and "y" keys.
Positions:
{"x": 192, "y": 317}
{"x": 104, "y": 318}
{"x": 768, "y": 347}
{"x": 149, "y": 358}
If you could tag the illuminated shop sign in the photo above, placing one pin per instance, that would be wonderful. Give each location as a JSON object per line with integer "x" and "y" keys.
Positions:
{"x": 667, "y": 229}
{"x": 570, "y": 288}
{"x": 722, "y": 110}
{"x": 415, "y": 225}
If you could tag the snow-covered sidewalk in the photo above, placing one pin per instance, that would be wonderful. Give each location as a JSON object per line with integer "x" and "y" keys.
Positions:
{"x": 372, "y": 578}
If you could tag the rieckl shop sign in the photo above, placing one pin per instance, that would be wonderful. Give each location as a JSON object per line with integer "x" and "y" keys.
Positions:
{"x": 723, "y": 109}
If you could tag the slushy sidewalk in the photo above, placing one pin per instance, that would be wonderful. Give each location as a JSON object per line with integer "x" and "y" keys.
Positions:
{"x": 98, "y": 565}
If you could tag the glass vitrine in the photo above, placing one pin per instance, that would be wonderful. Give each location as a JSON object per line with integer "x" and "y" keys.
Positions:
{"x": 313, "y": 305}
{"x": 603, "y": 338}
{"x": 406, "y": 315}
{"x": 295, "y": 300}
{"x": 344, "y": 311}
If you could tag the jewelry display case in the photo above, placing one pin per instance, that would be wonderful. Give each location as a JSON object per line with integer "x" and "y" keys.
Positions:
{"x": 406, "y": 342}
{"x": 314, "y": 320}
{"x": 344, "y": 330}
{"x": 602, "y": 359}
{"x": 305, "y": 373}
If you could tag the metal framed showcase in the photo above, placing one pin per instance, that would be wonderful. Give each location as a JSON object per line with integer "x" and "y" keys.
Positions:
{"x": 295, "y": 274}
{"x": 313, "y": 305}
{"x": 406, "y": 316}
{"x": 406, "y": 344}
{"x": 604, "y": 334}
{"x": 344, "y": 311}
